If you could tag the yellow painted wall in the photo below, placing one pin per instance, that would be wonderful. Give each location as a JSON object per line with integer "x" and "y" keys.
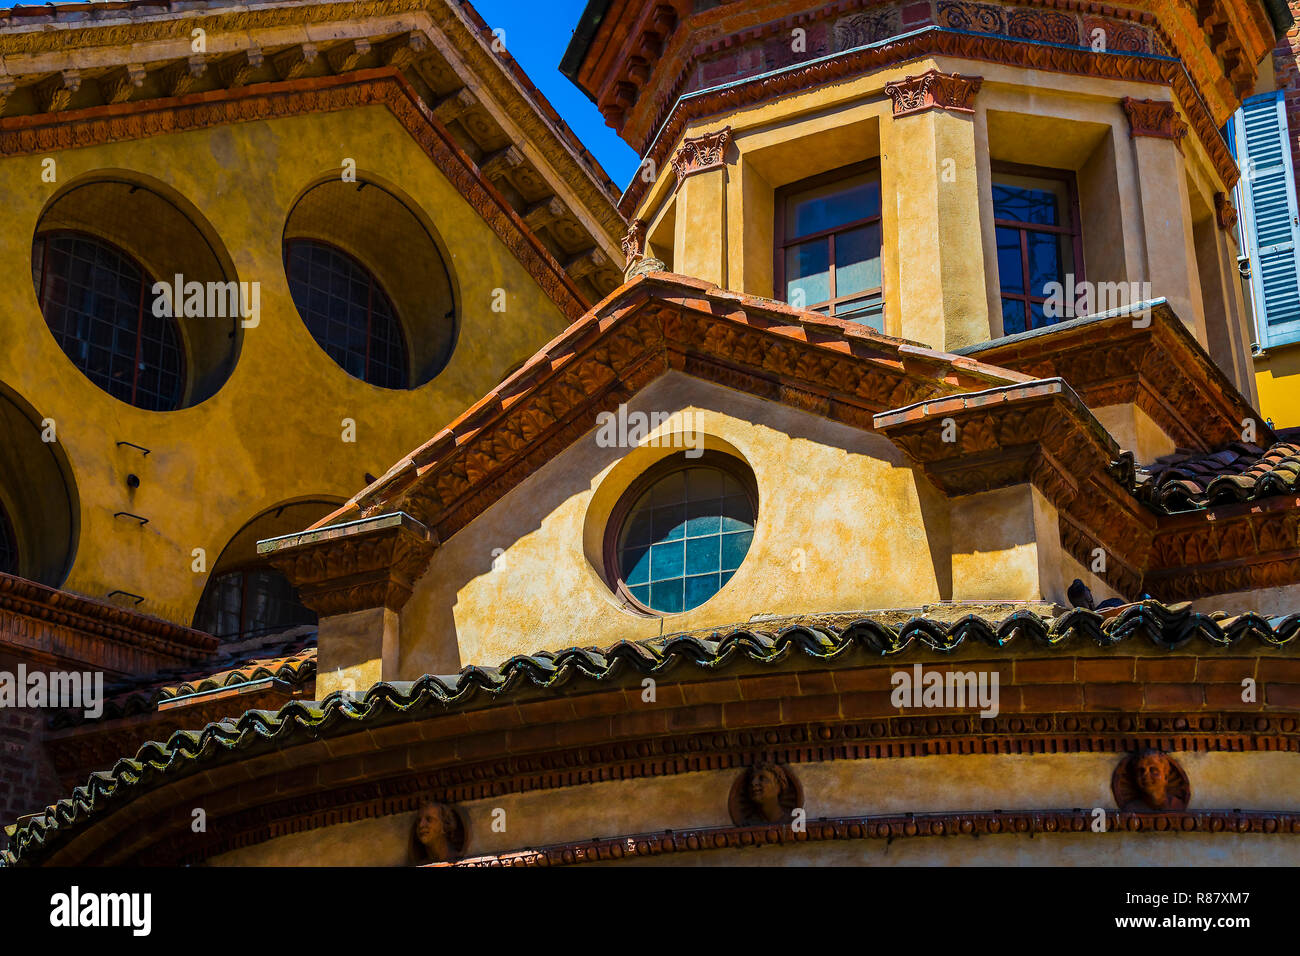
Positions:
{"x": 844, "y": 524}
{"x": 273, "y": 432}
{"x": 1277, "y": 375}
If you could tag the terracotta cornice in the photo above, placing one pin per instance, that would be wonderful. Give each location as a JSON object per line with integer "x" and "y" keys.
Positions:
{"x": 836, "y": 369}
{"x": 384, "y": 86}
{"x": 699, "y": 154}
{"x": 1038, "y": 434}
{"x": 354, "y": 567}
{"x": 99, "y": 29}
{"x": 934, "y": 90}
{"x": 1146, "y": 358}
{"x": 732, "y": 97}
{"x": 1224, "y": 70}
{"x": 1156, "y": 118}
{"x": 69, "y": 629}
{"x": 975, "y": 823}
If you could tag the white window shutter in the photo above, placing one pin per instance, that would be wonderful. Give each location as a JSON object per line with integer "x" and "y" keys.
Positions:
{"x": 1266, "y": 196}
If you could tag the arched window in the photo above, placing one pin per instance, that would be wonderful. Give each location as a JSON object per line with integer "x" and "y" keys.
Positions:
{"x": 682, "y": 531}
{"x": 8, "y": 545}
{"x": 98, "y": 304}
{"x": 347, "y": 312}
{"x": 250, "y": 602}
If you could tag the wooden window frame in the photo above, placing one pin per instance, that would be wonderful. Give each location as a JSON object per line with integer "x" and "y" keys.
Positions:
{"x": 782, "y": 244}
{"x": 623, "y": 508}
{"x": 1074, "y": 230}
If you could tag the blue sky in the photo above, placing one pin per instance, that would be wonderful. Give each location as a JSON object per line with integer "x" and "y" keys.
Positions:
{"x": 537, "y": 33}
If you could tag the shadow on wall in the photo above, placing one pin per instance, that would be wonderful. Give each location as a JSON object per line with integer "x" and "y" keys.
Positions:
{"x": 437, "y": 645}
{"x": 37, "y": 494}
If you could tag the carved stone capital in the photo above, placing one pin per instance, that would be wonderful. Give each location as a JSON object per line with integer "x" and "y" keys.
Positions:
{"x": 1225, "y": 213}
{"x": 634, "y": 242}
{"x": 1154, "y": 118}
{"x": 121, "y": 85}
{"x": 934, "y": 90}
{"x": 357, "y": 566}
{"x": 55, "y": 93}
{"x": 700, "y": 153}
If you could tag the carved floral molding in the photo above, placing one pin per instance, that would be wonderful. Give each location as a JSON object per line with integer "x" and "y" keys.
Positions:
{"x": 934, "y": 90}
{"x": 1156, "y": 118}
{"x": 699, "y": 154}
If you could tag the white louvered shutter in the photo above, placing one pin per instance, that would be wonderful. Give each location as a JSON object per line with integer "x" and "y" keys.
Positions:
{"x": 1266, "y": 196}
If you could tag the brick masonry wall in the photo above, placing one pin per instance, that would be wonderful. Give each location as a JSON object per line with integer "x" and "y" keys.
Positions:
{"x": 1287, "y": 72}
{"x": 27, "y": 778}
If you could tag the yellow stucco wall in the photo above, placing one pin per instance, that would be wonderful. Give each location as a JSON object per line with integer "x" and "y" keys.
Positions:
{"x": 273, "y": 432}
{"x": 949, "y": 783}
{"x": 1277, "y": 375}
{"x": 844, "y": 524}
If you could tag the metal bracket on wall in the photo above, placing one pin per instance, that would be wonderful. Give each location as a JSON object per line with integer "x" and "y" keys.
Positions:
{"x": 127, "y": 514}
{"x": 135, "y": 598}
{"x": 131, "y": 444}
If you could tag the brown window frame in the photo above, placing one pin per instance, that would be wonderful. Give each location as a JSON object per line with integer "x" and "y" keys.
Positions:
{"x": 1074, "y": 230}
{"x": 632, "y": 494}
{"x": 781, "y": 243}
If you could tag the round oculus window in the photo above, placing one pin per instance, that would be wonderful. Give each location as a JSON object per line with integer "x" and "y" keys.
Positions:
{"x": 685, "y": 528}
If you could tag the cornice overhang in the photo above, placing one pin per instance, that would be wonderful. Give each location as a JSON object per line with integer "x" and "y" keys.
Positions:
{"x": 57, "y": 58}
{"x": 635, "y": 58}
{"x": 656, "y": 323}
{"x": 1040, "y": 434}
{"x": 1144, "y": 356}
{"x": 361, "y": 565}
{"x": 381, "y": 86}
{"x": 62, "y": 629}
{"x": 932, "y": 41}
{"x": 802, "y": 693}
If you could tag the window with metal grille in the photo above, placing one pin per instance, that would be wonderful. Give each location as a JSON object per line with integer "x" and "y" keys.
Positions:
{"x": 681, "y": 531}
{"x": 247, "y": 603}
{"x": 828, "y": 245}
{"x": 94, "y": 299}
{"x": 1036, "y": 216}
{"x": 347, "y": 312}
{"x": 8, "y": 545}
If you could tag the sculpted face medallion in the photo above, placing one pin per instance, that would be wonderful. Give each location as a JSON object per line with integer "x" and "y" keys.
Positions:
{"x": 1150, "y": 781}
{"x": 765, "y": 793}
{"x": 438, "y": 834}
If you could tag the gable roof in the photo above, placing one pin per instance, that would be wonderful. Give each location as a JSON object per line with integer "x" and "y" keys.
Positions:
{"x": 840, "y": 370}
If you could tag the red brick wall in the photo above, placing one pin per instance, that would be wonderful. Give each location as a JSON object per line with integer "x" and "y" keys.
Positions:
{"x": 28, "y": 782}
{"x": 1287, "y": 71}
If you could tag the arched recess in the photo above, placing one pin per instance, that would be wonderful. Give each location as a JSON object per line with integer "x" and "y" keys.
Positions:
{"x": 37, "y": 495}
{"x": 371, "y": 222}
{"x": 247, "y": 598}
{"x": 154, "y": 230}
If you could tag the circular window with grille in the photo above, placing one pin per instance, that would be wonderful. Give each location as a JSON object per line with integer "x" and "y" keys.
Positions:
{"x": 681, "y": 531}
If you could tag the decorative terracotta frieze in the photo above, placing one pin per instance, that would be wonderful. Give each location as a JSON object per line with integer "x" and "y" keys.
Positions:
{"x": 934, "y": 90}
{"x": 976, "y": 823}
{"x": 679, "y": 113}
{"x": 1158, "y": 118}
{"x": 382, "y": 86}
{"x": 361, "y": 565}
{"x": 699, "y": 154}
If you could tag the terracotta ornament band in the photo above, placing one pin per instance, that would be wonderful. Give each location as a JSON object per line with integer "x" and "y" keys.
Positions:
{"x": 934, "y": 90}
{"x": 976, "y": 823}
